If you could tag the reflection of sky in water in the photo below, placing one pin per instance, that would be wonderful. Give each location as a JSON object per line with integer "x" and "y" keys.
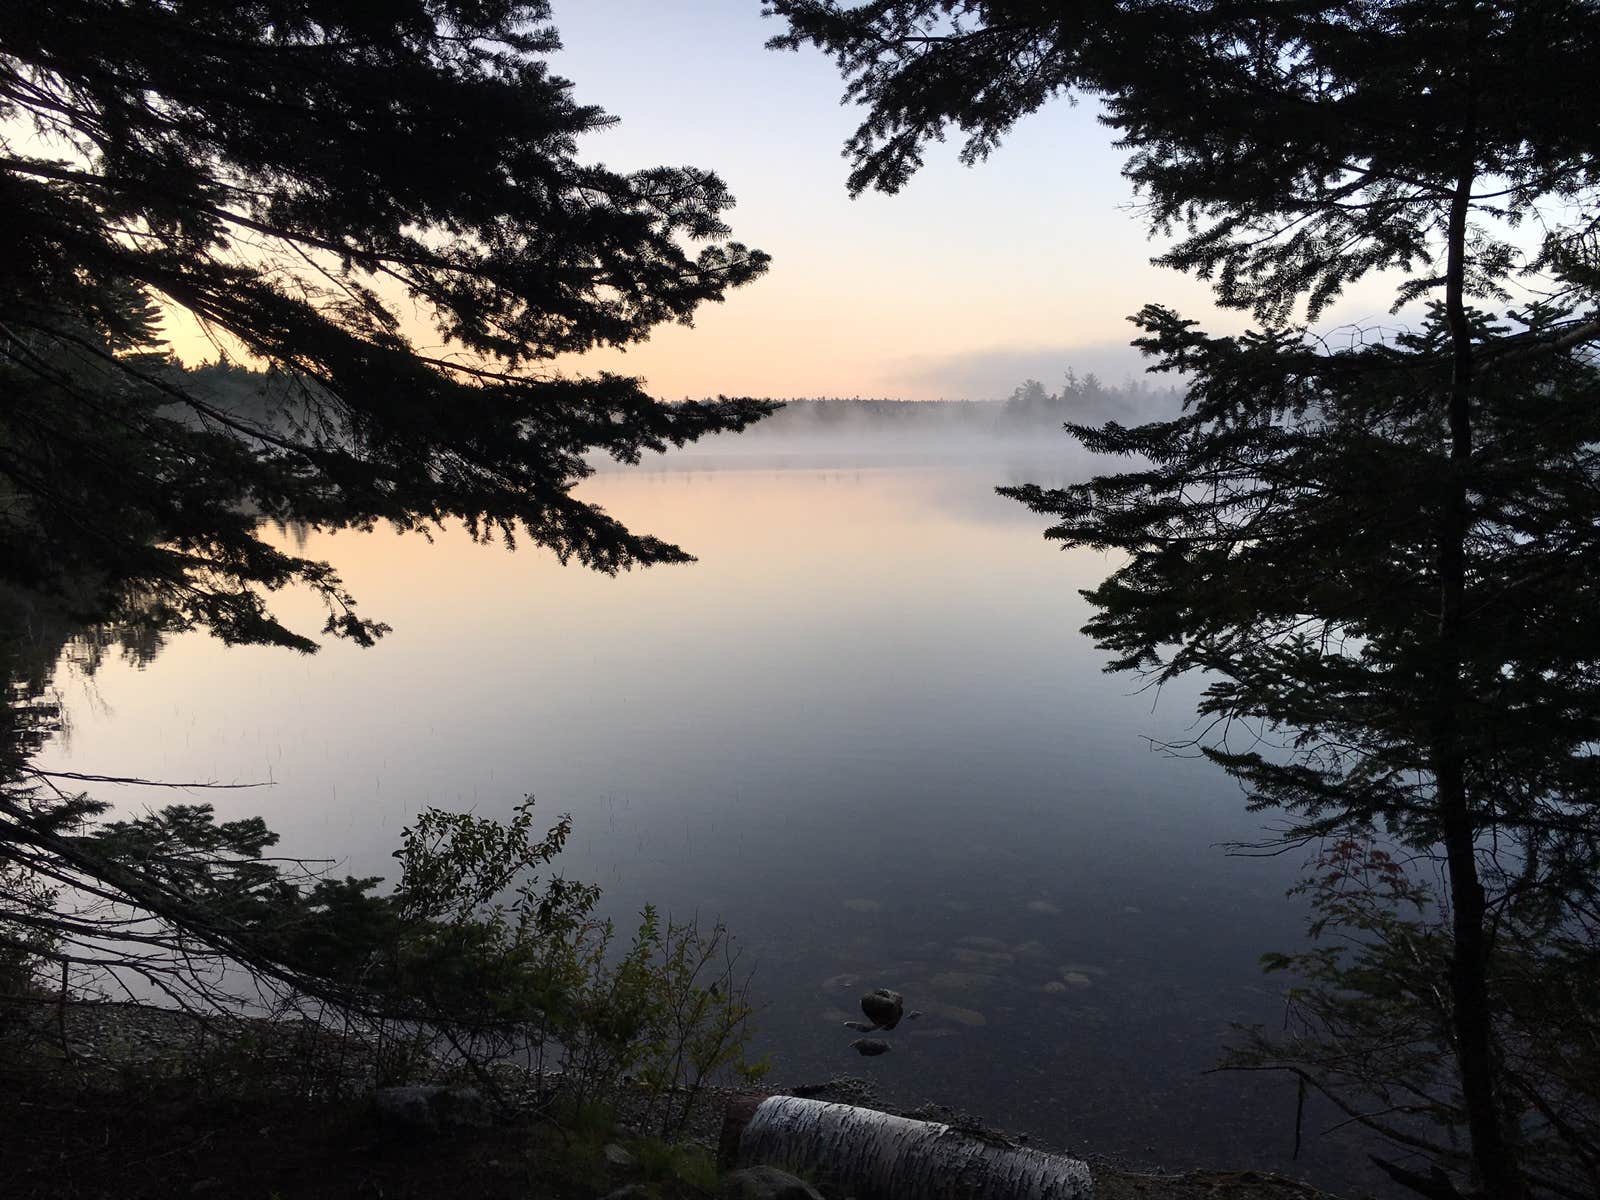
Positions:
{"x": 863, "y": 728}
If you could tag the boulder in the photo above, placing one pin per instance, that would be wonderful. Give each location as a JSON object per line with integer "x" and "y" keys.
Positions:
{"x": 883, "y": 1007}
{"x": 766, "y": 1183}
{"x": 618, "y": 1158}
{"x": 869, "y": 1047}
{"x": 427, "y": 1109}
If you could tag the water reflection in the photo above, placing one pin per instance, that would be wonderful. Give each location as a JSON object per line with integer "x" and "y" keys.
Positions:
{"x": 863, "y": 729}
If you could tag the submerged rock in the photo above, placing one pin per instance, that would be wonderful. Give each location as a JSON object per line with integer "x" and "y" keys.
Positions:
{"x": 982, "y": 943}
{"x": 959, "y": 1016}
{"x": 1045, "y": 907}
{"x": 870, "y": 1047}
{"x": 983, "y": 958}
{"x": 963, "y": 982}
{"x": 859, "y": 905}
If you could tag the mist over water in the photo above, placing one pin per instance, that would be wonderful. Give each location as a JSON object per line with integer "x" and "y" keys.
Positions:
{"x": 863, "y": 729}
{"x": 1022, "y": 431}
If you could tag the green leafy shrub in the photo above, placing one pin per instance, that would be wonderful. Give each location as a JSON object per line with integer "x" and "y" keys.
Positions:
{"x": 492, "y": 964}
{"x": 478, "y": 963}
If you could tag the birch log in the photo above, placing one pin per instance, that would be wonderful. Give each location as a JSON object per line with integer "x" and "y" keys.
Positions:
{"x": 875, "y": 1156}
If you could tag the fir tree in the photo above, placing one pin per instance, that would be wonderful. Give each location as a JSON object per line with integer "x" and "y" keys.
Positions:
{"x": 1384, "y": 552}
{"x": 297, "y": 176}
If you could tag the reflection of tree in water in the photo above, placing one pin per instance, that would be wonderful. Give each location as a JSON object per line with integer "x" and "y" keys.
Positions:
{"x": 37, "y": 640}
{"x": 34, "y": 637}
{"x": 31, "y": 641}
{"x": 478, "y": 954}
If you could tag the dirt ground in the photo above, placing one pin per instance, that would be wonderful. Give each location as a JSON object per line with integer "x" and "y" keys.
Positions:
{"x": 96, "y": 1147}
{"x": 119, "y": 1126}
{"x": 74, "y": 1146}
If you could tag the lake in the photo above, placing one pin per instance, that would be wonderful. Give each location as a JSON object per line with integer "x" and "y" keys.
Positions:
{"x": 864, "y": 730}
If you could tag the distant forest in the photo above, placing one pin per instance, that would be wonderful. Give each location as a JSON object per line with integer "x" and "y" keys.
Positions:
{"x": 275, "y": 400}
{"x": 1081, "y": 399}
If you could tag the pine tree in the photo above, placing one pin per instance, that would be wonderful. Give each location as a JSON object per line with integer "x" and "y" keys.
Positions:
{"x": 297, "y": 176}
{"x": 1285, "y": 540}
{"x": 1382, "y": 552}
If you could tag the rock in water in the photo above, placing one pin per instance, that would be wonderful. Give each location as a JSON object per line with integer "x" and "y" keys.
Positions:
{"x": 883, "y": 1007}
{"x": 860, "y": 1026}
{"x": 869, "y": 1047}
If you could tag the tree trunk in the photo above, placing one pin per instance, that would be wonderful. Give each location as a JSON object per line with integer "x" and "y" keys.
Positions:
{"x": 875, "y": 1156}
{"x": 1492, "y": 1152}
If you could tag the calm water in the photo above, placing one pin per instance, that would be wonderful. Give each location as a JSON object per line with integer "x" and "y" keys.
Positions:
{"x": 864, "y": 730}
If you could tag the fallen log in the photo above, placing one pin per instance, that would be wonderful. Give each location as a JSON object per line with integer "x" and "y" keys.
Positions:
{"x": 871, "y": 1155}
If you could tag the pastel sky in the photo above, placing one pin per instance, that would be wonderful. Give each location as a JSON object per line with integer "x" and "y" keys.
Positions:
{"x": 965, "y": 284}
{"x": 960, "y": 286}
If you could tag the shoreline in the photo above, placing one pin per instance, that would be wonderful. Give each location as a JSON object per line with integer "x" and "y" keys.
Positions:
{"x": 120, "y": 1047}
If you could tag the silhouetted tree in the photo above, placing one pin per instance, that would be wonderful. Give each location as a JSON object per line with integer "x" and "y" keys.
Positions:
{"x": 1342, "y": 538}
{"x": 1285, "y": 539}
{"x": 297, "y": 176}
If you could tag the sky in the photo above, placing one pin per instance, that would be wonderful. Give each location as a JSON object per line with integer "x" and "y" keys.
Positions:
{"x": 961, "y": 286}
{"x": 968, "y": 282}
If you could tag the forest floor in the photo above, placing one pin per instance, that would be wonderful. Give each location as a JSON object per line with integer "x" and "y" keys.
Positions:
{"x": 116, "y": 1120}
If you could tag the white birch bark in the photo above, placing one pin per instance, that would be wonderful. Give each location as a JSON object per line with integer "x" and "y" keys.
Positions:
{"x": 874, "y": 1156}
